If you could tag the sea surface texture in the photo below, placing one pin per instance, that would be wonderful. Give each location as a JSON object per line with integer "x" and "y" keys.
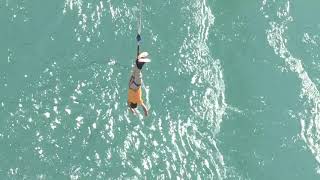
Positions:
{"x": 232, "y": 89}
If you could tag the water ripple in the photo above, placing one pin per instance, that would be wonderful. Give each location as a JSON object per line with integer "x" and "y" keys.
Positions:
{"x": 310, "y": 117}
{"x": 89, "y": 15}
{"x": 75, "y": 124}
{"x": 206, "y": 92}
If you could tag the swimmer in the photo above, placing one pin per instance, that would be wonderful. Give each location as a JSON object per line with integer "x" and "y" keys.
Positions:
{"x": 134, "y": 92}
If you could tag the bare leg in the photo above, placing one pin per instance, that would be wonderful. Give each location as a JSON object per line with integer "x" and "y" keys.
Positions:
{"x": 144, "y": 109}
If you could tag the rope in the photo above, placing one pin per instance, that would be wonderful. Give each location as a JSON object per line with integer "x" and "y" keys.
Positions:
{"x": 139, "y": 27}
{"x": 140, "y": 17}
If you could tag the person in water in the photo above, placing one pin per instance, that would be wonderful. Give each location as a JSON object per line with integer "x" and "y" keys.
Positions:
{"x": 134, "y": 92}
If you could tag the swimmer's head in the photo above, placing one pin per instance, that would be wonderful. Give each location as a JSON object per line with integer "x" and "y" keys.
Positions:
{"x": 133, "y": 105}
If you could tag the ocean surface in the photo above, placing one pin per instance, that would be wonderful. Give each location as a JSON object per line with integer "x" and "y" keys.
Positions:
{"x": 232, "y": 90}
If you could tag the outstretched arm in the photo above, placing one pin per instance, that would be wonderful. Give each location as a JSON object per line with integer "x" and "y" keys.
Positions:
{"x": 144, "y": 109}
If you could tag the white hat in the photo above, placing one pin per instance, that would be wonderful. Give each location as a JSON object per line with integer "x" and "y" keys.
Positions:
{"x": 143, "y": 57}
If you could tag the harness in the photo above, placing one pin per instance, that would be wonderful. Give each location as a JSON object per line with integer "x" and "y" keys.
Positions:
{"x": 134, "y": 83}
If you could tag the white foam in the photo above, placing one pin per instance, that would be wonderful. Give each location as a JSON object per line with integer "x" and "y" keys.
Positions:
{"x": 155, "y": 143}
{"x": 53, "y": 126}
{"x": 309, "y": 118}
{"x": 207, "y": 100}
{"x": 68, "y": 110}
{"x": 79, "y": 120}
{"x": 55, "y": 101}
{"x": 55, "y": 109}
{"x": 47, "y": 115}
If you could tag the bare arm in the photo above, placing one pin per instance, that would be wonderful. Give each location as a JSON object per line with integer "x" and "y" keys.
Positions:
{"x": 144, "y": 109}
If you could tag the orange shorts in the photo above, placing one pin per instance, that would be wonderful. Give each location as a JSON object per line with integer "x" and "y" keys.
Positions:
{"x": 134, "y": 96}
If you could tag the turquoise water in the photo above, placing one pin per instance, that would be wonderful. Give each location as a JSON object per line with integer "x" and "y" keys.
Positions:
{"x": 232, "y": 90}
